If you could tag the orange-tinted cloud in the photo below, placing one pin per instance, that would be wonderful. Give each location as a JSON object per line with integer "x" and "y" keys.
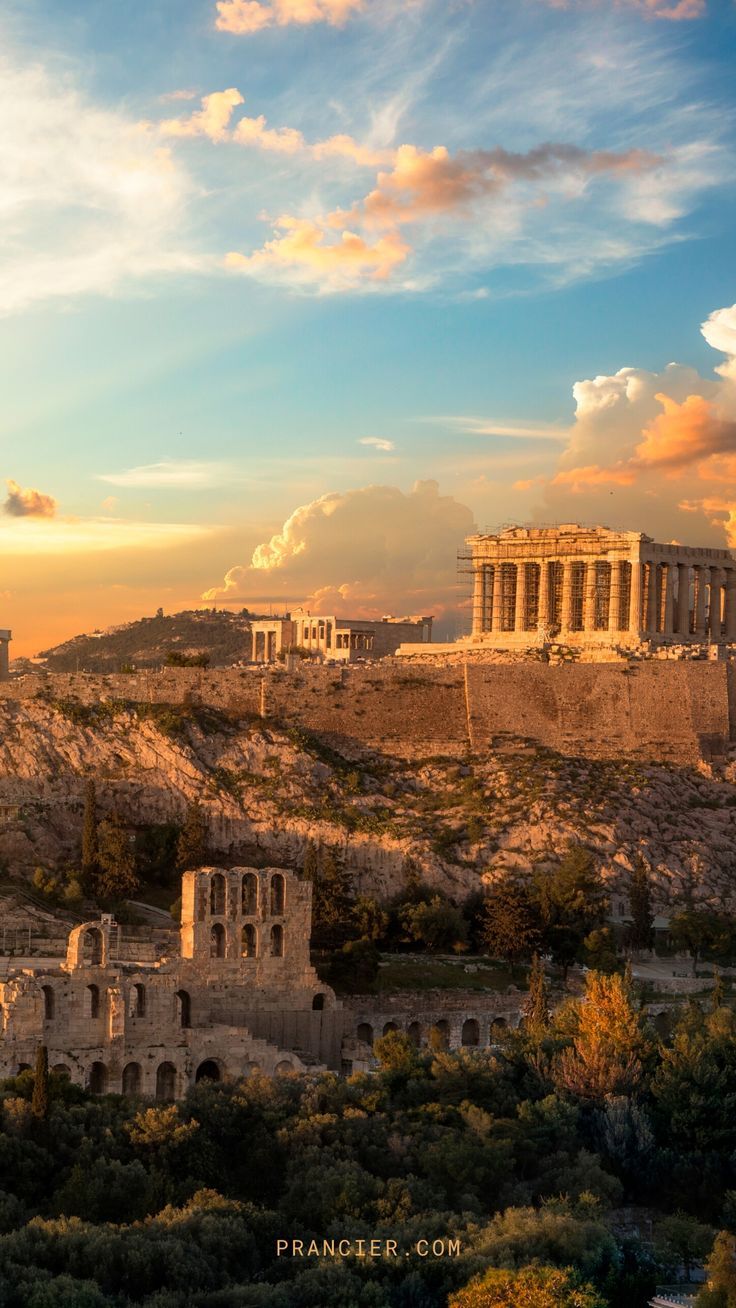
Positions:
{"x": 212, "y": 120}
{"x": 253, "y": 131}
{"x": 683, "y": 434}
{"x": 580, "y": 479}
{"x": 304, "y": 247}
{"x": 244, "y": 17}
{"x": 28, "y": 503}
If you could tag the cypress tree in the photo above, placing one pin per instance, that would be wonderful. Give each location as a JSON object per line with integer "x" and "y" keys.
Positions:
{"x": 192, "y": 846}
{"x": 640, "y": 903}
{"x": 40, "y": 1100}
{"x": 536, "y": 1009}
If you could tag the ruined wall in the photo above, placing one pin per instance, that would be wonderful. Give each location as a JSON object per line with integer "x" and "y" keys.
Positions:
{"x": 673, "y": 711}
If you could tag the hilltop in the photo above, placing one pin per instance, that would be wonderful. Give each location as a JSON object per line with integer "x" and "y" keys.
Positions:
{"x": 223, "y": 637}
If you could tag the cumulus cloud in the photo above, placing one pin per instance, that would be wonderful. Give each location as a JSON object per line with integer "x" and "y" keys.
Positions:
{"x": 28, "y": 503}
{"x": 244, "y": 17}
{"x": 308, "y": 252}
{"x": 371, "y": 550}
{"x": 656, "y": 451}
{"x": 212, "y": 120}
{"x": 90, "y": 203}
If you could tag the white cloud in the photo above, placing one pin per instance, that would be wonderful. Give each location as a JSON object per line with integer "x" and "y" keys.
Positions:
{"x": 89, "y": 203}
{"x": 474, "y": 426}
{"x": 378, "y": 443}
{"x": 170, "y": 474}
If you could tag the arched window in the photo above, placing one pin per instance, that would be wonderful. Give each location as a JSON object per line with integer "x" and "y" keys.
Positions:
{"x": 498, "y": 1027}
{"x": 92, "y": 947}
{"x": 248, "y": 941}
{"x": 365, "y": 1033}
{"x": 61, "y": 1069}
{"x": 166, "y": 1081}
{"x": 217, "y": 895}
{"x": 277, "y": 942}
{"x": 49, "y": 1002}
{"x": 277, "y": 895}
{"x": 440, "y": 1034}
{"x": 249, "y": 894}
{"x": 201, "y": 901}
{"x": 132, "y": 1079}
{"x": 97, "y": 1079}
{"x": 318, "y": 1003}
{"x": 471, "y": 1032}
{"x": 217, "y": 941}
{"x": 137, "y": 1001}
{"x": 389, "y": 1027}
{"x": 284, "y": 1068}
{"x": 209, "y": 1070}
{"x": 183, "y": 1008}
{"x": 92, "y": 1001}
{"x": 414, "y": 1032}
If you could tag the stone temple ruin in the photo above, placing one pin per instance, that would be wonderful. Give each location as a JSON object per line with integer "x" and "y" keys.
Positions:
{"x": 593, "y": 586}
{"x": 242, "y": 996}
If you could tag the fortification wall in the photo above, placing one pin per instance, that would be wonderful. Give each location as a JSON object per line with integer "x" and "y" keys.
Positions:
{"x": 676, "y": 711}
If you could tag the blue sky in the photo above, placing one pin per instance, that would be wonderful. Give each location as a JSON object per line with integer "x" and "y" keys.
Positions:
{"x": 304, "y": 335}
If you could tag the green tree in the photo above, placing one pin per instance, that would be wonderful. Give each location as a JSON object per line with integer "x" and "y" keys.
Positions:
{"x": 532, "y": 1287}
{"x": 511, "y": 926}
{"x": 608, "y": 1046}
{"x": 682, "y": 1240}
{"x": 332, "y": 897}
{"x": 192, "y": 846}
{"x": 371, "y": 920}
{"x": 719, "y": 1290}
{"x": 116, "y": 876}
{"x": 572, "y": 903}
{"x": 536, "y": 1007}
{"x": 438, "y": 924}
{"x": 641, "y": 931}
{"x": 89, "y": 833}
{"x": 694, "y": 930}
{"x": 40, "y": 1098}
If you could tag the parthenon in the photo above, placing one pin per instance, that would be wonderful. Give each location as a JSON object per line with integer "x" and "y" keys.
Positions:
{"x": 592, "y": 585}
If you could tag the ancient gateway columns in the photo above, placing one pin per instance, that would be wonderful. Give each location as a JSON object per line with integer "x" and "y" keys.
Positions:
{"x": 591, "y": 585}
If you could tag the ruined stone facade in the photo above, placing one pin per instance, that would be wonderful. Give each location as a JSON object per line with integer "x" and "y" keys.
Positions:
{"x": 590, "y": 585}
{"x": 242, "y": 996}
{"x": 342, "y": 640}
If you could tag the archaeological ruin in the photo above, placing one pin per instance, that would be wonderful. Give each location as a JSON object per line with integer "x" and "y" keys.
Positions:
{"x": 336, "y": 639}
{"x": 592, "y": 586}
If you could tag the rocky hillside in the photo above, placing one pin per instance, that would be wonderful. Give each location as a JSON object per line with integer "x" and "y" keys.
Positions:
{"x": 268, "y": 791}
{"x": 223, "y": 637}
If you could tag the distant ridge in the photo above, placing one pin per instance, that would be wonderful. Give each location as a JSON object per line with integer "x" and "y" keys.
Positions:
{"x": 145, "y": 643}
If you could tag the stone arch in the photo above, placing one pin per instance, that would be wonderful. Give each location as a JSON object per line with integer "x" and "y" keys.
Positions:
{"x": 498, "y": 1026}
{"x": 663, "y": 1022}
{"x": 132, "y": 1079}
{"x": 49, "y": 1003}
{"x": 61, "y": 1069}
{"x": 88, "y": 945}
{"x": 284, "y": 1068}
{"x": 470, "y": 1032}
{"x": 209, "y": 1070}
{"x": 137, "y": 1000}
{"x": 93, "y": 947}
{"x": 278, "y": 894}
{"x": 249, "y": 895}
{"x": 217, "y": 941}
{"x": 277, "y": 941}
{"x": 183, "y": 1008}
{"x": 23, "y": 1067}
{"x": 414, "y": 1032}
{"x": 389, "y": 1027}
{"x": 217, "y": 895}
{"x": 248, "y": 941}
{"x": 318, "y": 1002}
{"x": 166, "y": 1081}
{"x": 97, "y": 1079}
{"x": 441, "y": 1033}
{"x": 365, "y": 1033}
{"x": 92, "y": 1001}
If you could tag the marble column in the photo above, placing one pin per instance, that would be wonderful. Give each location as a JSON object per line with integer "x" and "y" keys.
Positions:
{"x": 521, "y": 584}
{"x": 700, "y": 579}
{"x": 589, "y": 596}
{"x": 497, "y": 597}
{"x": 652, "y": 596}
{"x": 669, "y": 599}
{"x": 614, "y": 596}
{"x": 635, "y": 596}
{"x": 566, "y": 609}
{"x": 682, "y": 623}
{"x": 543, "y": 609}
{"x": 714, "y": 616}
{"x": 479, "y": 600}
{"x": 731, "y": 604}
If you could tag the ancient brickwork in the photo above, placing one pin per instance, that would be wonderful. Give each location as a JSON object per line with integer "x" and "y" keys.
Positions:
{"x": 455, "y": 1018}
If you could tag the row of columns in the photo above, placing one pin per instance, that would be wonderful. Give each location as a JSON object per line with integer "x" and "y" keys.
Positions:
{"x": 667, "y": 611}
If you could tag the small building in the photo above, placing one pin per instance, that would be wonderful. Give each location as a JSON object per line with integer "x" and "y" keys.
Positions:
{"x": 328, "y": 637}
{"x": 5, "y": 639}
{"x": 591, "y": 586}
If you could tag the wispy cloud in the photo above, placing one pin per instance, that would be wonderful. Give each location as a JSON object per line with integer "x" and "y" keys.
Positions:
{"x": 475, "y": 426}
{"x": 175, "y": 474}
{"x": 34, "y": 536}
{"x": 377, "y": 443}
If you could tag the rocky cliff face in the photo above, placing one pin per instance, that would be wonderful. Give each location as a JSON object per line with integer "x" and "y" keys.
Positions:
{"x": 270, "y": 791}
